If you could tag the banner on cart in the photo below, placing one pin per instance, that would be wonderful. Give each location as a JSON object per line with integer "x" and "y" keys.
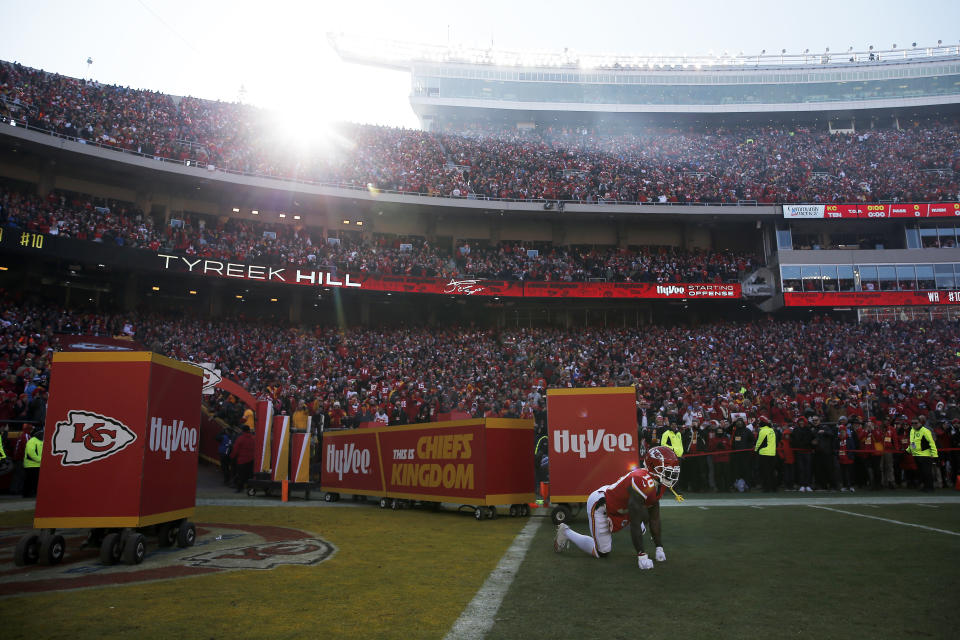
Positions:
{"x": 351, "y": 463}
{"x": 478, "y": 461}
{"x": 593, "y": 439}
{"x": 425, "y": 462}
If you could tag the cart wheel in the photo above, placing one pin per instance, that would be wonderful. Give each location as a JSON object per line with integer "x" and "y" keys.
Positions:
{"x": 51, "y": 549}
{"x": 514, "y": 511}
{"x": 251, "y": 492}
{"x": 328, "y": 497}
{"x": 27, "y": 551}
{"x": 560, "y": 513}
{"x": 524, "y": 510}
{"x": 187, "y": 534}
{"x": 394, "y": 504}
{"x": 110, "y": 549}
{"x": 134, "y": 548}
{"x": 491, "y": 513}
{"x": 384, "y": 503}
{"x": 167, "y": 534}
{"x": 478, "y": 513}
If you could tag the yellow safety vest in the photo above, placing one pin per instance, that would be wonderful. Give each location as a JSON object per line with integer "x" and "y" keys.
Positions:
{"x": 673, "y": 440}
{"x": 768, "y": 438}
{"x": 917, "y": 445}
{"x": 33, "y": 453}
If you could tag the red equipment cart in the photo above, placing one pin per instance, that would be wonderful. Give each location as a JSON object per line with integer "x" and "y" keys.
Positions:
{"x": 478, "y": 463}
{"x": 120, "y": 454}
{"x": 593, "y": 441}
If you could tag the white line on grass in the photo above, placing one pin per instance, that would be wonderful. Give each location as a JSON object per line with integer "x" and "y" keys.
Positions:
{"x": 928, "y": 506}
{"x": 478, "y": 617}
{"x": 906, "y": 524}
{"x": 704, "y": 508}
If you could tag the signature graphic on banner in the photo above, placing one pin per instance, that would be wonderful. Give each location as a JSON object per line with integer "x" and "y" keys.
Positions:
{"x": 468, "y": 287}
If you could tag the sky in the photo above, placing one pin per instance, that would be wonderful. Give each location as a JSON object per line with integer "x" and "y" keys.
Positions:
{"x": 278, "y": 50}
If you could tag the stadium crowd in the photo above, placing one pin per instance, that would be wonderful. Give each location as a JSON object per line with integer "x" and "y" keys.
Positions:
{"x": 722, "y": 164}
{"x": 122, "y": 224}
{"x": 838, "y": 394}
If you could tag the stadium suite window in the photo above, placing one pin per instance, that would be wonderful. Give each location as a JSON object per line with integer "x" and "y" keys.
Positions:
{"x": 811, "y": 278}
{"x": 929, "y": 238}
{"x": 790, "y": 277}
{"x": 845, "y": 278}
{"x": 944, "y": 275}
{"x": 887, "y": 275}
{"x": 784, "y": 239}
{"x": 906, "y": 277}
{"x": 828, "y": 276}
{"x": 868, "y": 277}
{"x": 925, "y": 278}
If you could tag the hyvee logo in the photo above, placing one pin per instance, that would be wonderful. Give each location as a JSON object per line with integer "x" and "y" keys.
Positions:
{"x": 591, "y": 442}
{"x": 349, "y": 459}
{"x": 670, "y": 290}
{"x": 173, "y": 437}
{"x": 87, "y": 437}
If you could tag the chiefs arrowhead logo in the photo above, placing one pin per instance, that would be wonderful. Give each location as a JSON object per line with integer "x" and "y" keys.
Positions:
{"x": 87, "y": 437}
{"x": 211, "y": 376}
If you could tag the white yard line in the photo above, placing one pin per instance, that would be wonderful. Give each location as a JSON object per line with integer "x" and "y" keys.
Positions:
{"x": 478, "y": 617}
{"x": 928, "y": 506}
{"x": 906, "y": 524}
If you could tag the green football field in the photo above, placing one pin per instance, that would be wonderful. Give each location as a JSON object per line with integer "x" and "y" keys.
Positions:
{"x": 751, "y": 571}
{"x": 788, "y": 566}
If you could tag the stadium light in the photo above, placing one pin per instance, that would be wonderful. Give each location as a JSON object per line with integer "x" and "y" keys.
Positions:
{"x": 155, "y": 288}
{"x": 192, "y": 292}
{"x": 283, "y": 215}
{"x": 346, "y": 222}
{"x": 236, "y": 209}
{"x": 255, "y": 212}
{"x": 297, "y": 217}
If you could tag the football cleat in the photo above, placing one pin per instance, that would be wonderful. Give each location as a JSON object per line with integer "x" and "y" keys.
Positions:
{"x": 561, "y": 541}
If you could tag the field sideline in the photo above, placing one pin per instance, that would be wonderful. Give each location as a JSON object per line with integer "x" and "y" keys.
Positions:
{"x": 833, "y": 565}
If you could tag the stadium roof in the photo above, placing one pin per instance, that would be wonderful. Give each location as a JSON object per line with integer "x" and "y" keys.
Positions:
{"x": 400, "y": 55}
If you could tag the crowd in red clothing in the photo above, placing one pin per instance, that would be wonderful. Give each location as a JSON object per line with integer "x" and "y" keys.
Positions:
{"x": 723, "y": 164}
{"x": 719, "y": 378}
{"x": 122, "y": 224}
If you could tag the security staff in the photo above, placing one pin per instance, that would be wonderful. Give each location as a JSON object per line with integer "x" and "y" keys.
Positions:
{"x": 924, "y": 451}
{"x": 31, "y": 463}
{"x": 4, "y": 462}
{"x": 766, "y": 448}
{"x": 670, "y": 438}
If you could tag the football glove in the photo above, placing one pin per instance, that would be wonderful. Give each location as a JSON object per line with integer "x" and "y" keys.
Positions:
{"x": 660, "y": 555}
{"x": 644, "y": 562}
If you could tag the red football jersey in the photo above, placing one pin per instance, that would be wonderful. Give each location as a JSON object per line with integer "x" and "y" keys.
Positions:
{"x": 618, "y": 495}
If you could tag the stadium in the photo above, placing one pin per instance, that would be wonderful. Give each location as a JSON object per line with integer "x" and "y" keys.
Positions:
{"x": 744, "y": 239}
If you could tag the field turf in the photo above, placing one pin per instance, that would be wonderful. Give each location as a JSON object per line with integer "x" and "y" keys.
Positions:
{"x": 745, "y": 572}
{"x": 731, "y": 572}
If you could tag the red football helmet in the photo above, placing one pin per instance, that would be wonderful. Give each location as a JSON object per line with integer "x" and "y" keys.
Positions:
{"x": 662, "y": 463}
